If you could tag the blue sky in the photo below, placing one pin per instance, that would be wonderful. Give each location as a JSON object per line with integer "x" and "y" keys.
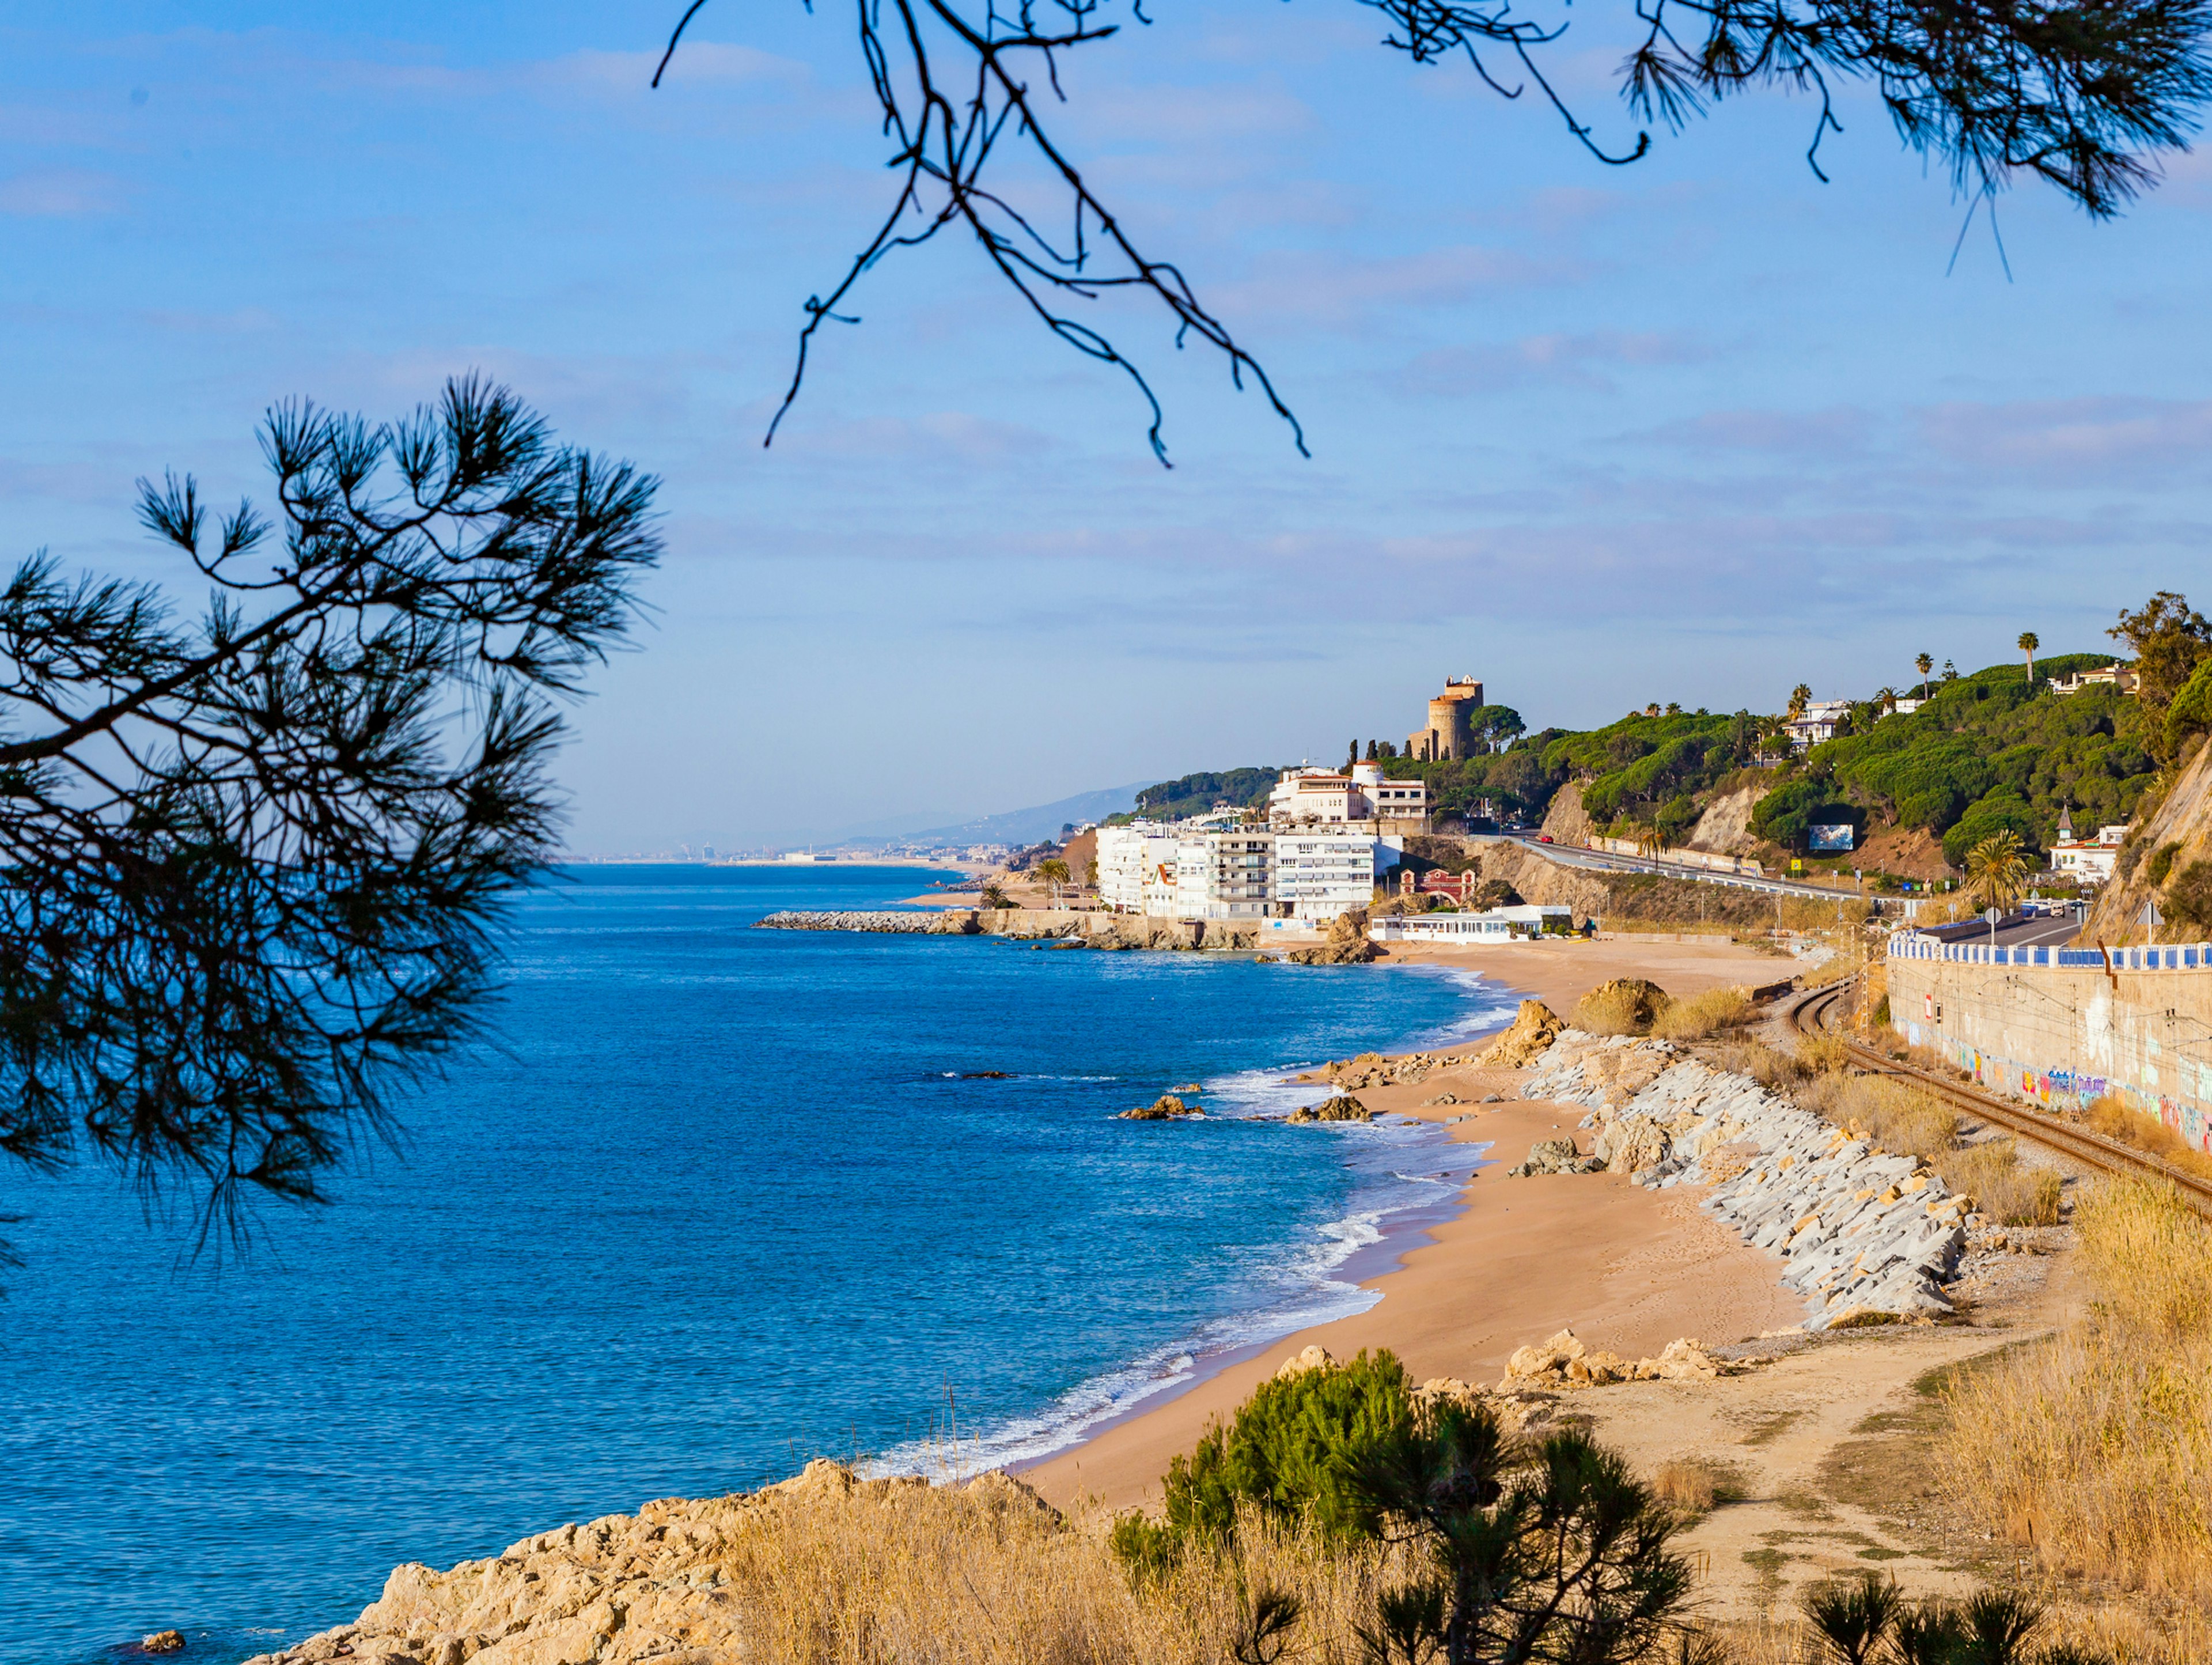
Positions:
{"x": 1696, "y": 429}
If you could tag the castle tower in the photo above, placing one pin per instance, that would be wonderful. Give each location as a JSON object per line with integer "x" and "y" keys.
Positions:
{"x": 1450, "y": 732}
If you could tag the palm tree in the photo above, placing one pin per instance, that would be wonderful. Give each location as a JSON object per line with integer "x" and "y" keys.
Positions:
{"x": 1996, "y": 870}
{"x": 2029, "y": 644}
{"x": 1800, "y": 698}
{"x": 1885, "y": 700}
{"x": 1923, "y": 665}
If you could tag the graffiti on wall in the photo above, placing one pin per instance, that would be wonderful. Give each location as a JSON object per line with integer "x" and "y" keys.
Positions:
{"x": 2064, "y": 1088}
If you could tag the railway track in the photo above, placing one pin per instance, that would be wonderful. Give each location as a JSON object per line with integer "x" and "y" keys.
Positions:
{"x": 1813, "y": 1012}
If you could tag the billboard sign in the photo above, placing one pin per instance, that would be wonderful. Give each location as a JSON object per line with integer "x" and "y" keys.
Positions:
{"x": 1829, "y": 838}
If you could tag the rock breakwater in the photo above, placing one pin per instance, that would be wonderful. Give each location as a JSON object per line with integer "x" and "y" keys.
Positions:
{"x": 1866, "y": 1234}
{"x": 1108, "y": 932}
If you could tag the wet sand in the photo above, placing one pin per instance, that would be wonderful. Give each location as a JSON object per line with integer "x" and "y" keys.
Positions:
{"x": 1626, "y": 1268}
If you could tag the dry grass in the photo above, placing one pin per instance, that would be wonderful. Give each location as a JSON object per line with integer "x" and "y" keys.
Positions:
{"x": 1701, "y": 1017}
{"x": 2131, "y": 1636}
{"x": 935, "y": 1575}
{"x": 2002, "y": 1186}
{"x": 1609, "y": 1009}
{"x": 2096, "y": 1447}
{"x": 1823, "y": 1054}
{"x": 2112, "y": 1118}
{"x": 1890, "y": 1113}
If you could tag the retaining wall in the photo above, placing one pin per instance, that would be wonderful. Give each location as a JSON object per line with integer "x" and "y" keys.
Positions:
{"x": 2059, "y": 1027}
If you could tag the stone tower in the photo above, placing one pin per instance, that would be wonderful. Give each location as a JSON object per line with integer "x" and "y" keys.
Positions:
{"x": 1450, "y": 733}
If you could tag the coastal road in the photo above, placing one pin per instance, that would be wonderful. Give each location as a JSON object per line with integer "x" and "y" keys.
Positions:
{"x": 1823, "y": 1010}
{"x": 1570, "y": 855}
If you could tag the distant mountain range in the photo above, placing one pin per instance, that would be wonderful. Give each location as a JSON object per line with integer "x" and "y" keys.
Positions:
{"x": 1028, "y": 826}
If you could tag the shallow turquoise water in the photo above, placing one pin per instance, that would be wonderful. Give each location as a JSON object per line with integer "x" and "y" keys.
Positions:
{"x": 715, "y": 1202}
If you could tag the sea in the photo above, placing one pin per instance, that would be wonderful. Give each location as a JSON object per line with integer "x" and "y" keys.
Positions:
{"x": 707, "y": 1201}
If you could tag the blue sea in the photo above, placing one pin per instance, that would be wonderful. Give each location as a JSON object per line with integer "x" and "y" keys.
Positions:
{"x": 709, "y": 1202}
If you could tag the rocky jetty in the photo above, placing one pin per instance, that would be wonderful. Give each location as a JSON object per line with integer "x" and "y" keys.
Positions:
{"x": 1110, "y": 932}
{"x": 1866, "y": 1234}
{"x": 1372, "y": 1069}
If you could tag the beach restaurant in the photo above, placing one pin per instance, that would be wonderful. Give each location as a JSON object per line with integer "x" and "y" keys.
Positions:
{"x": 1493, "y": 925}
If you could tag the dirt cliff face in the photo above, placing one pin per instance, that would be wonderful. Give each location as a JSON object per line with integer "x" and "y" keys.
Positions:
{"x": 1566, "y": 820}
{"x": 2183, "y": 818}
{"x": 1725, "y": 826}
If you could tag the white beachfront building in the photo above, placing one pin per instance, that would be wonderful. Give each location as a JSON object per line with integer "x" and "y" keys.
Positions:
{"x": 2092, "y": 860}
{"x": 1320, "y": 874}
{"x": 1230, "y": 872}
{"x": 1494, "y": 925}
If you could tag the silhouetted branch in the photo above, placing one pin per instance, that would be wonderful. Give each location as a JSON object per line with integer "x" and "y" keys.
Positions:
{"x": 2081, "y": 93}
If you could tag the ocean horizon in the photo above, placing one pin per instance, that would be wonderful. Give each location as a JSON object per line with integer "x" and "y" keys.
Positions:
{"x": 707, "y": 1202}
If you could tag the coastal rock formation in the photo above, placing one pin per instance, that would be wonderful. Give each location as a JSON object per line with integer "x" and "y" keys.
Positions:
{"x": 1863, "y": 1231}
{"x": 679, "y": 1582}
{"x": 1554, "y": 1156}
{"x": 1564, "y": 1361}
{"x": 1166, "y": 1107}
{"x": 1341, "y": 1108}
{"x": 1534, "y": 1028}
{"x": 1347, "y": 944}
{"x": 1314, "y": 1357}
{"x": 162, "y": 1642}
{"x": 1636, "y": 999}
{"x": 1372, "y": 1069}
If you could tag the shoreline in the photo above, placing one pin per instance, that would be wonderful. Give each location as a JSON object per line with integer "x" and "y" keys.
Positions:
{"x": 1490, "y": 1268}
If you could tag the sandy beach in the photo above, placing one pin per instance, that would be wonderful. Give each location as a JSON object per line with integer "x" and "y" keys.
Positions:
{"x": 1626, "y": 1268}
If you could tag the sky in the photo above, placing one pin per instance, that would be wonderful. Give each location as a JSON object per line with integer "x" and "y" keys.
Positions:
{"x": 1697, "y": 428}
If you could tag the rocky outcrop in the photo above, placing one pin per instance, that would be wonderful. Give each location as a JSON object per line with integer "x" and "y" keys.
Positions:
{"x": 2179, "y": 822}
{"x": 1554, "y": 1156}
{"x": 1347, "y": 944}
{"x": 1339, "y": 1108}
{"x": 1534, "y": 1028}
{"x": 1633, "y": 1001}
{"x": 1166, "y": 1107}
{"x": 1564, "y": 1362}
{"x": 949, "y": 921}
{"x": 1372, "y": 1069}
{"x": 1862, "y": 1232}
{"x": 162, "y": 1642}
{"x": 625, "y": 1590}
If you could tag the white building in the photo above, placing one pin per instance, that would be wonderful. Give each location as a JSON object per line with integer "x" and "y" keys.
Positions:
{"x": 1320, "y": 874}
{"x": 1224, "y": 874}
{"x": 1136, "y": 862}
{"x": 1496, "y": 925}
{"x": 1822, "y": 719}
{"x": 2092, "y": 860}
{"x": 1361, "y": 797}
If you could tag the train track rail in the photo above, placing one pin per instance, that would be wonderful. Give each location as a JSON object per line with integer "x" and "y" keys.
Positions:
{"x": 1813, "y": 1013}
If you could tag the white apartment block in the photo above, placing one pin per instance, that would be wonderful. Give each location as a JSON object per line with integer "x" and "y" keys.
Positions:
{"x": 1320, "y": 874}
{"x": 1239, "y": 872}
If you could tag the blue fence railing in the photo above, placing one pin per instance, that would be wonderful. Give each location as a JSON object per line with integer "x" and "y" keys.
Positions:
{"x": 2180, "y": 957}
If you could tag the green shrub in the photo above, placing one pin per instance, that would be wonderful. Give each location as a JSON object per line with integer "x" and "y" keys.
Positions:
{"x": 2189, "y": 899}
{"x": 2162, "y": 863}
{"x": 1289, "y": 1452}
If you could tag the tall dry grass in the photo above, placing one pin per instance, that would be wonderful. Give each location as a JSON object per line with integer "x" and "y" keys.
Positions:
{"x": 2095, "y": 1448}
{"x": 1701, "y": 1017}
{"x": 2112, "y": 1118}
{"x": 935, "y": 1575}
{"x": 2002, "y": 1186}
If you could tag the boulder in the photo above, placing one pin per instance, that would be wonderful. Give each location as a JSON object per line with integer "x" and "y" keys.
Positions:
{"x": 1631, "y": 1145}
{"x": 162, "y": 1642}
{"x": 1342, "y": 1108}
{"x": 1554, "y": 1156}
{"x": 1312, "y": 1358}
{"x": 1534, "y": 1030}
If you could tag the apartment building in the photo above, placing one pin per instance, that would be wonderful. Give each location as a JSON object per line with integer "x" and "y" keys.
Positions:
{"x": 1239, "y": 872}
{"x": 1361, "y": 797}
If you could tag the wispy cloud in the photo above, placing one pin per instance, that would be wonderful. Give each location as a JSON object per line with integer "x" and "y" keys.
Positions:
{"x": 1581, "y": 361}
{"x": 62, "y": 193}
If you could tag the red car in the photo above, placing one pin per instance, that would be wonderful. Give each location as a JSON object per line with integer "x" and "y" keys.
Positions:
{"x": 1543, "y": 838}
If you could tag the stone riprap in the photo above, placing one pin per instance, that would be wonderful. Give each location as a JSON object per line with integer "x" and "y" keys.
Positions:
{"x": 1110, "y": 932}
{"x": 1864, "y": 1233}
